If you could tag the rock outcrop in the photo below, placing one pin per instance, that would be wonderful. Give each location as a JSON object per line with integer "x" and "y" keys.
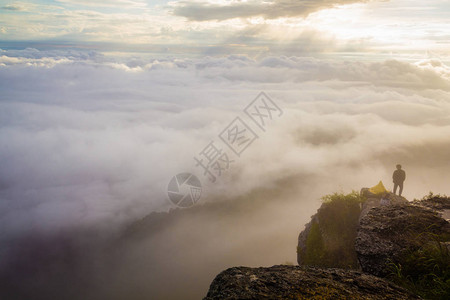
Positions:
{"x": 388, "y": 233}
{"x": 294, "y": 282}
{"x": 328, "y": 239}
{"x": 375, "y": 201}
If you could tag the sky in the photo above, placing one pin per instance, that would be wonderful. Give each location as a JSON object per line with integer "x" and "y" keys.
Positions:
{"x": 223, "y": 27}
{"x": 103, "y": 102}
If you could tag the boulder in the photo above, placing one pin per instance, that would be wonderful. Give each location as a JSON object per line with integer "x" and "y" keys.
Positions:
{"x": 375, "y": 201}
{"x": 387, "y": 233}
{"x": 295, "y": 282}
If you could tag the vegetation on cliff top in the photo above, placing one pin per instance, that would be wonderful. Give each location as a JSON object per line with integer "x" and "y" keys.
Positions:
{"x": 425, "y": 270}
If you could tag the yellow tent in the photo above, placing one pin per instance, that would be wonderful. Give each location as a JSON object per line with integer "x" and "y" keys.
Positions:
{"x": 379, "y": 189}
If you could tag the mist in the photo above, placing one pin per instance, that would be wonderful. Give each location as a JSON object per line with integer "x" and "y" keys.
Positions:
{"x": 89, "y": 142}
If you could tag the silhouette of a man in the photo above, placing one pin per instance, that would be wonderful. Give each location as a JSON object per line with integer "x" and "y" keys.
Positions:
{"x": 398, "y": 177}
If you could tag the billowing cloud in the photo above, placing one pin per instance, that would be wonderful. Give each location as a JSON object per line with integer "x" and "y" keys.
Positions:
{"x": 114, "y": 126}
{"x": 215, "y": 10}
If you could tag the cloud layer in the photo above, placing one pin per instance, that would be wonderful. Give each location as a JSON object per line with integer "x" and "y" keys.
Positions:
{"x": 86, "y": 137}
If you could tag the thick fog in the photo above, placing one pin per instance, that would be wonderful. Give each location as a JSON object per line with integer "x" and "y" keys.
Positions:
{"x": 90, "y": 141}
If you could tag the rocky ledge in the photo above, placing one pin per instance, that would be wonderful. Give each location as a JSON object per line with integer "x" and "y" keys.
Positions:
{"x": 295, "y": 282}
{"x": 389, "y": 233}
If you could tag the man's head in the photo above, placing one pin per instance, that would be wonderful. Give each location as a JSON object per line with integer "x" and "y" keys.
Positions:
{"x": 399, "y": 167}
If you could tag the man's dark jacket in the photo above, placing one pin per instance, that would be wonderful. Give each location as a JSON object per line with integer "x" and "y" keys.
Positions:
{"x": 399, "y": 176}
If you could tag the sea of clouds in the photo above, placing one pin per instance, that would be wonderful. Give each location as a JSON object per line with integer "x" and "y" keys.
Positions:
{"x": 87, "y": 137}
{"x": 89, "y": 142}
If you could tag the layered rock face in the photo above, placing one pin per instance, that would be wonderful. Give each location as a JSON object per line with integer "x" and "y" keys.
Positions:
{"x": 294, "y": 282}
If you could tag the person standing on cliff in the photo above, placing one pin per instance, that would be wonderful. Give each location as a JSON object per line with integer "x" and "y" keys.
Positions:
{"x": 398, "y": 177}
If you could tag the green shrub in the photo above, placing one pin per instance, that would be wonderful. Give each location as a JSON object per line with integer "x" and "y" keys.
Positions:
{"x": 432, "y": 196}
{"x": 425, "y": 271}
{"x": 353, "y": 197}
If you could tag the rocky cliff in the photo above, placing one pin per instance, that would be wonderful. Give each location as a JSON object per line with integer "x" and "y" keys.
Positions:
{"x": 376, "y": 243}
{"x": 328, "y": 239}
